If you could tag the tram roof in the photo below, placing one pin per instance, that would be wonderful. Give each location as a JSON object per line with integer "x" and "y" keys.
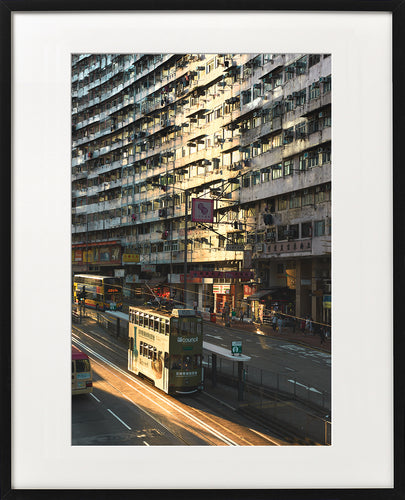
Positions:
{"x": 166, "y": 314}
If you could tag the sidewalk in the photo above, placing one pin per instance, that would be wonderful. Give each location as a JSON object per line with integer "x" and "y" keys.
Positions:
{"x": 296, "y": 337}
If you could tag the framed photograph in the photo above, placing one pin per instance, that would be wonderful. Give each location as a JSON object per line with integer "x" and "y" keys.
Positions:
{"x": 358, "y": 46}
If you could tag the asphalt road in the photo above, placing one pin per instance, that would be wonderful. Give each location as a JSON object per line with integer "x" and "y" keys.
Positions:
{"x": 124, "y": 410}
{"x": 307, "y": 366}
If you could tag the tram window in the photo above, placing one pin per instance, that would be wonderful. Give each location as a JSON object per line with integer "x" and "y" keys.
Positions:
{"x": 141, "y": 348}
{"x": 157, "y": 323}
{"x": 187, "y": 362}
{"x": 137, "y": 318}
{"x": 162, "y": 326}
{"x": 141, "y": 319}
{"x": 150, "y": 352}
{"x": 197, "y": 361}
{"x": 167, "y": 327}
{"x": 175, "y": 325}
{"x": 146, "y": 321}
{"x": 176, "y": 362}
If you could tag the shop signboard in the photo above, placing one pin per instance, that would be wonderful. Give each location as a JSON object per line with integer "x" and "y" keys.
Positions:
{"x": 222, "y": 289}
{"x": 327, "y": 301}
{"x": 202, "y": 210}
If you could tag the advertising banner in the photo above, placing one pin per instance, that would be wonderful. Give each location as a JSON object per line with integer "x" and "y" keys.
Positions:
{"x": 202, "y": 210}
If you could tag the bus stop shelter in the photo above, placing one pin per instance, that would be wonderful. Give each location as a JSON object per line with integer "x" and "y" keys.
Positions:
{"x": 218, "y": 351}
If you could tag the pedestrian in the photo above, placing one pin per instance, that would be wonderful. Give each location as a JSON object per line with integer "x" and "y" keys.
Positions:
{"x": 274, "y": 322}
{"x": 233, "y": 314}
{"x": 241, "y": 315}
{"x": 323, "y": 337}
{"x": 280, "y": 324}
{"x": 311, "y": 326}
{"x": 302, "y": 326}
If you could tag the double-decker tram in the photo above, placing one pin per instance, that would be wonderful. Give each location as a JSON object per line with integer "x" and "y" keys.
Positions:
{"x": 166, "y": 348}
{"x": 98, "y": 292}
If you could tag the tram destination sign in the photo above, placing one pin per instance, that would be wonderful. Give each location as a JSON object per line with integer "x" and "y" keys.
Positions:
{"x": 236, "y": 347}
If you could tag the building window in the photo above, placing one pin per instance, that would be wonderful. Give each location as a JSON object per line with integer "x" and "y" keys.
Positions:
{"x": 326, "y": 83}
{"x": 301, "y": 98}
{"x": 265, "y": 175}
{"x": 288, "y": 135}
{"x": 301, "y": 65}
{"x": 276, "y": 171}
{"x": 307, "y": 198}
{"x": 295, "y": 200}
{"x": 319, "y": 228}
{"x": 313, "y": 59}
{"x": 281, "y": 233}
{"x": 288, "y": 166}
{"x": 306, "y": 229}
{"x": 283, "y": 203}
{"x": 314, "y": 91}
{"x": 246, "y": 96}
{"x": 313, "y": 160}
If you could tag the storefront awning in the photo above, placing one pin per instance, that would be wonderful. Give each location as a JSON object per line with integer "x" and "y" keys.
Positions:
{"x": 277, "y": 293}
{"x": 259, "y": 295}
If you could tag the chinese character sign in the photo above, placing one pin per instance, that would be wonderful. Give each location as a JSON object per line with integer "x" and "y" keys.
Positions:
{"x": 202, "y": 210}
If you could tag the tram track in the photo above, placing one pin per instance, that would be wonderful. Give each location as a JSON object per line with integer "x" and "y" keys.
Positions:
{"x": 154, "y": 397}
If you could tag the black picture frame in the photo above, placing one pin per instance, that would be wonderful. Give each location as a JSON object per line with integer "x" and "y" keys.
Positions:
{"x": 397, "y": 8}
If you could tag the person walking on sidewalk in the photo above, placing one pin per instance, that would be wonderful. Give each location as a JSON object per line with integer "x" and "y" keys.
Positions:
{"x": 274, "y": 322}
{"x": 241, "y": 315}
{"x": 280, "y": 324}
{"x": 323, "y": 337}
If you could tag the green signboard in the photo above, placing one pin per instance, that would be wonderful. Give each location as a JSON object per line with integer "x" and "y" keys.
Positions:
{"x": 237, "y": 347}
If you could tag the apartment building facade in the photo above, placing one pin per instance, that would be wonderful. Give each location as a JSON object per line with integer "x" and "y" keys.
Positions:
{"x": 252, "y": 132}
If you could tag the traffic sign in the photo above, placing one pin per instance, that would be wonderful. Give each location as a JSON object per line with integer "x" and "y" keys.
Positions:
{"x": 237, "y": 347}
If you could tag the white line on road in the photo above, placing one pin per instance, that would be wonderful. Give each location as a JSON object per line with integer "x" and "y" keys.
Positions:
{"x": 305, "y": 386}
{"x": 118, "y": 418}
{"x": 92, "y": 395}
{"x": 156, "y": 396}
{"x": 145, "y": 443}
{"x": 291, "y": 369}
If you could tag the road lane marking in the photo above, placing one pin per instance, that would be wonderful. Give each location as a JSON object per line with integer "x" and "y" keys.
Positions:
{"x": 155, "y": 395}
{"x": 145, "y": 443}
{"x": 291, "y": 369}
{"x": 305, "y": 386}
{"x": 118, "y": 418}
{"x": 93, "y": 396}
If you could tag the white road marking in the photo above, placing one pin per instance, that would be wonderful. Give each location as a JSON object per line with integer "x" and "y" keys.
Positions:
{"x": 93, "y": 396}
{"x": 213, "y": 336}
{"x": 118, "y": 418}
{"x": 145, "y": 443}
{"x": 305, "y": 386}
{"x": 144, "y": 389}
{"x": 291, "y": 369}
